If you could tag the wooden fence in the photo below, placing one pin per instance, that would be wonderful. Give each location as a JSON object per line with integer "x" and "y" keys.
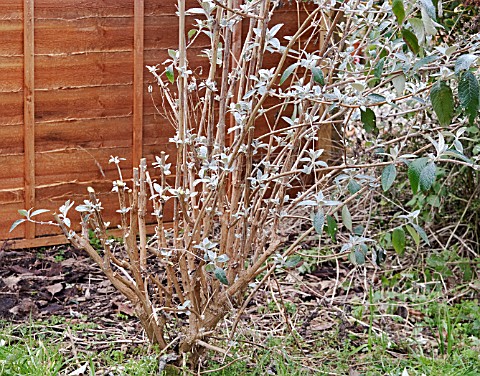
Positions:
{"x": 73, "y": 92}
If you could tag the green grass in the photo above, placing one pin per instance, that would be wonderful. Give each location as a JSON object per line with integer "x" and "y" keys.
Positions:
{"x": 30, "y": 359}
{"x": 45, "y": 348}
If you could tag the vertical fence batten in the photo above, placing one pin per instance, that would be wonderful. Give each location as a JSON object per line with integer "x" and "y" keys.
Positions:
{"x": 138, "y": 66}
{"x": 29, "y": 111}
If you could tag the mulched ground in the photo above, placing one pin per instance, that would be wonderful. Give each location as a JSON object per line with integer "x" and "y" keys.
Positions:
{"x": 36, "y": 284}
{"x": 61, "y": 281}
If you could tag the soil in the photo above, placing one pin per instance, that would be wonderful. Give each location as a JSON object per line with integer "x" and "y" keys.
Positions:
{"x": 61, "y": 281}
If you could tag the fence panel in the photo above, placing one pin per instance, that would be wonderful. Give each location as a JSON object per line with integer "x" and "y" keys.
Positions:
{"x": 73, "y": 92}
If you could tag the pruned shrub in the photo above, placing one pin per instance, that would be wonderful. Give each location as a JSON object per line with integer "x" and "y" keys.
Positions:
{"x": 254, "y": 156}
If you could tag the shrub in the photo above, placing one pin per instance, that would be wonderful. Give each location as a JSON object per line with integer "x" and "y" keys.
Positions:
{"x": 238, "y": 189}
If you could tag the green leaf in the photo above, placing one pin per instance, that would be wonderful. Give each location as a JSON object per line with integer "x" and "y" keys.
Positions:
{"x": 359, "y": 256}
{"x": 222, "y": 258}
{"x": 421, "y": 232}
{"x": 464, "y": 63}
{"x": 418, "y": 30}
{"x": 399, "y": 83}
{"x": 435, "y": 261}
{"x": 389, "y": 174}
{"x": 378, "y": 70}
{"x": 191, "y": 33}
{"x": 414, "y": 170}
{"x": 169, "y": 73}
{"x": 16, "y": 223}
{"x": 39, "y": 211}
{"x": 411, "y": 41}
{"x": 429, "y": 7}
{"x": 353, "y": 186}
{"x": 426, "y": 60}
{"x": 428, "y": 24}
{"x": 434, "y": 200}
{"x": 172, "y": 53}
{"x": 467, "y": 271}
{"x": 359, "y": 230}
{"x": 293, "y": 261}
{"x": 210, "y": 267}
{"x": 468, "y": 93}
{"x": 369, "y": 120}
{"x": 376, "y": 98}
{"x": 398, "y": 240}
{"x": 456, "y": 154}
{"x": 221, "y": 275}
{"x": 319, "y": 221}
{"x": 347, "y": 217}
{"x": 414, "y": 234}
{"x": 427, "y": 176}
{"x": 23, "y": 212}
{"x": 441, "y": 97}
{"x": 318, "y": 75}
{"x": 287, "y": 73}
{"x": 332, "y": 227}
{"x": 398, "y": 10}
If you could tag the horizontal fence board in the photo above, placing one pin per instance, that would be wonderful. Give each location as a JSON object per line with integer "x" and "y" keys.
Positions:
{"x": 156, "y": 128}
{"x": 9, "y": 215}
{"x": 73, "y": 71}
{"x": 11, "y": 73}
{"x": 79, "y": 164}
{"x": 11, "y": 9}
{"x": 73, "y": 9}
{"x": 106, "y": 34}
{"x": 154, "y": 148}
{"x": 11, "y": 42}
{"x": 10, "y": 196}
{"x": 46, "y": 241}
{"x": 11, "y": 140}
{"x": 11, "y": 177}
{"x": 53, "y": 197}
{"x": 161, "y": 32}
{"x": 83, "y": 35}
{"x": 83, "y": 103}
{"x": 104, "y": 68}
{"x": 154, "y": 7}
{"x": 86, "y": 133}
{"x": 197, "y": 60}
{"x": 11, "y": 108}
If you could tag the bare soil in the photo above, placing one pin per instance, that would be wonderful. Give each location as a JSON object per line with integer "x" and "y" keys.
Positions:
{"x": 61, "y": 281}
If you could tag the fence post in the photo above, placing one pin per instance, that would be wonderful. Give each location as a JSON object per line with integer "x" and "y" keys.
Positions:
{"x": 29, "y": 111}
{"x": 138, "y": 52}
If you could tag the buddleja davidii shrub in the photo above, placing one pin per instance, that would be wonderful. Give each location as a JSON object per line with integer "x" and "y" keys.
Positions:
{"x": 403, "y": 68}
{"x": 232, "y": 189}
{"x": 423, "y": 65}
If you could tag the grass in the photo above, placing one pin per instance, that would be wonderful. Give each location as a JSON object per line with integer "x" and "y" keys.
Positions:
{"x": 410, "y": 324}
{"x": 30, "y": 358}
{"x": 45, "y": 348}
